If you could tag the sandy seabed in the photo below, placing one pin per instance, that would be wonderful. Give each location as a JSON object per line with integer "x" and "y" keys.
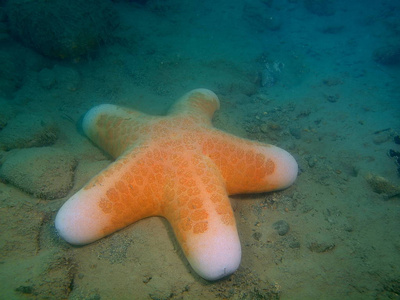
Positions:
{"x": 287, "y": 76}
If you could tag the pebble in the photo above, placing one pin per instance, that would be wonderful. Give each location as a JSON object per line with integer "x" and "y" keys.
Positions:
{"x": 321, "y": 247}
{"x": 381, "y": 138}
{"x": 312, "y": 162}
{"x": 281, "y": 226}
{"x": 257, "y": 236}
{"x": 264, "y": 128}
{"x": 294, "y": 244}
{"x": 381, "y": 185}
{"x": 295, "y": 132}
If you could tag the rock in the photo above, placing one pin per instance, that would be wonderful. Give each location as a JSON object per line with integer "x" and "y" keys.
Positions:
{"x": 291, "y": 242}
{"x": 274, "y": 126}
{"x": 312, "y": 161}
{"x": 281, "y": 226}
{"x": 264, "y": 128}
{"x": 294, "y": 244}
{"x": 381, "y": 185}
{"x": 257, "y": 235}
{"x": 28, "y": 130}
{"x": 295, "y": 132}
{"x": 25, "y": 289}
{"x": 381, "y": 138}
{"x": 61, "y": 29}
{"x": 321, "y": 246}
{"x": 42, "y": 172}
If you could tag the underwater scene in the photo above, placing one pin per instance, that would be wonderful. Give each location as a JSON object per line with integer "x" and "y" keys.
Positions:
{"x": 171, "y": 149}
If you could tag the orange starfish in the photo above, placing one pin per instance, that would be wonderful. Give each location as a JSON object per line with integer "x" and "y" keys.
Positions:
{"x": 176, "y": 166}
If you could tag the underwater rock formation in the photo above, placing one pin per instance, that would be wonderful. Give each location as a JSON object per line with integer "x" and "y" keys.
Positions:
{"x": 61, "y": 29}
{"x": 42, "y": 172}
{"x": 28, "y": 130}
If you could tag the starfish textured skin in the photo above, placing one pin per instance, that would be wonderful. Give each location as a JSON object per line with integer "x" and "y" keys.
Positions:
{"x": 179, "y": 167}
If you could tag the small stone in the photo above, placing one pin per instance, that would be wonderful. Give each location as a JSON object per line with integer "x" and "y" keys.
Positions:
{"x": 264, "y": 128}
{"x": 25, "y": 289}
{"x": 295, "y": 132}
{"x": 294, "y": 244}
{"x": 147, "y": 278}
{"x": 281, "y": 226}
{"x": 332, "y": 98}
{"x": 381, "y": 138}
{"x": 393, "y": 153}
{"x": 320, "y": 7}
{"x": 312, "y": 160}
{"x": 274, "y": 126}
{"x": 320, "y": 247}
{"x": 381, "y": 185}
{"x": 257, "y": 236}
{"x": 161, "y": 294}
{"x": 291, "y": 242}
{"x": 348, "y": 227}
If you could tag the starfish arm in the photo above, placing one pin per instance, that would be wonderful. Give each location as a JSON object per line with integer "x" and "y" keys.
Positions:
{"x": 199, "y": 104}
{"x": 120, "y": 195}
{"x": 114, "y": 128}
{"x": 248, "y": 166}
{"x": 201, "y": 216}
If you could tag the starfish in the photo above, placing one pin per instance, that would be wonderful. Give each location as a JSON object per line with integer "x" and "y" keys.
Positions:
{"x": 179, "y": 167}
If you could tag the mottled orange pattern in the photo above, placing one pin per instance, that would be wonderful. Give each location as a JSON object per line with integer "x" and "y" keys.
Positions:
{"x": 177, "y": 166}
